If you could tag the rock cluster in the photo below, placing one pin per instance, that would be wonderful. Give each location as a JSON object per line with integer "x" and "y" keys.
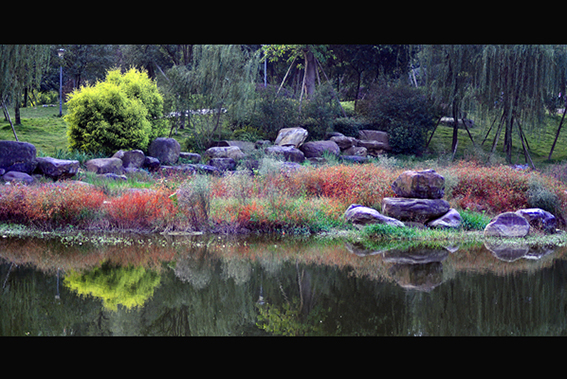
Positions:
{"x": 418, "y": 201}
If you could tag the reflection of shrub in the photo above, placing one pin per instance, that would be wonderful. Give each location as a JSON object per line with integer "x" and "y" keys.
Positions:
{"x": 127, "y": 286}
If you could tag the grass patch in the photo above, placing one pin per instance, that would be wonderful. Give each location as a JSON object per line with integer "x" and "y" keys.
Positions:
{"x": 40, "y": 126}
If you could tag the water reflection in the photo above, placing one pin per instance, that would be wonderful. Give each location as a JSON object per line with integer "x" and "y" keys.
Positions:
{"x": 226, "y": 286}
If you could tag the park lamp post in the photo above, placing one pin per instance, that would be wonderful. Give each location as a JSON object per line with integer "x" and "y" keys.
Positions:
{"x": 61, "y": 52}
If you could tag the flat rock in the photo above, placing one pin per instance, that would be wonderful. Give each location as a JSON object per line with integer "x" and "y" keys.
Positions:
{"x": 412, "y": 209}
{"x": 360, "y": 216}
{"x": 508, "y": 225}
{"x": 57, "y": 168}
{"x": 233, "y": 152}
{"x": 17, "y": 176}
{"x": 426, "y": 184}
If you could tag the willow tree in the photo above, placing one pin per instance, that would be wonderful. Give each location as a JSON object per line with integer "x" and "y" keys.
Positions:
{"x": 516, "y": 80}
{"x": 220, "y": 78}
{"x": 450, "y": 79}
{"x": 21, "y": 66}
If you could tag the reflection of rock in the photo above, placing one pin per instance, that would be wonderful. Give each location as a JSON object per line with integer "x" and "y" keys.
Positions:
{"x": 508, "y": 252}
{"x": 415, "y": 255}
{"x": 512, "y": 251}
{"x": 358, "y": 248}
{"x": 421, "y": 277}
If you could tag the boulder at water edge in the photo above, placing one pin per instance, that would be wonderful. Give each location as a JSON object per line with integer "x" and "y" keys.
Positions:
{"x": 426, "y": 184}
{"x": 509, "y": 225}
{"x": 415, "y": 210}
{"x": 538, "y": 218}
{"x": 360, "y": 216}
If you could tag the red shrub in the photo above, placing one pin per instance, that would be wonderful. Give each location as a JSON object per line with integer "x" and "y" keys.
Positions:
{"x": 141, "y": 209}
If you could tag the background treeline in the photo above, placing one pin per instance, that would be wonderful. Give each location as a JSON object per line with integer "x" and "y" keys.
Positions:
{"x": 252, "y": 91}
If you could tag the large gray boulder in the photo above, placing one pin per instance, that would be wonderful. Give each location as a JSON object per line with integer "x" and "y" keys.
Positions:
{"x": 360, "y": 216}
{"x": 508, "y": 225}
{"x": 378, "y": 136}
{"x": 17, "y": 156}
{"x": 57, "y": 168}
{"x": 291, "y": 137}
{"x": 105, "y": 166}
{"x": 316, "y": 149}
{"x": 414, "y": 210}
{"x": 166, "y": 150}
{"x": 133, "y": 159}
{"x": 289, "y": 153}
{"x": 426, "y": 184}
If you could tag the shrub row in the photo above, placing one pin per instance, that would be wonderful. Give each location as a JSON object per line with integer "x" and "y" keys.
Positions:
{"x": 308, "y": 200}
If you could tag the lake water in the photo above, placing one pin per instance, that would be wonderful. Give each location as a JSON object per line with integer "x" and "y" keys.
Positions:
{"x": 259, "y": 286}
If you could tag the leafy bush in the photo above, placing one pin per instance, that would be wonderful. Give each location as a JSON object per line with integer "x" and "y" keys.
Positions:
{"x": 319, "y": 111}
{"x": 273, "y": 112}
{"x": 541, "y": 197}
{"x": 471, "y": 220}
{"x": 404, "y": 112}
{"x": 122, "y": 112}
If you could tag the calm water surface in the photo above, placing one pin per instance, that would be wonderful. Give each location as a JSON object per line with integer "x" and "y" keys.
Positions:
{"x": 258, "y": 286}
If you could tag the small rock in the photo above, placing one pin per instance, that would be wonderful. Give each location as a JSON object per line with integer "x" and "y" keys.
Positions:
{"x": 291, "y": 137}
{"x": 17, "y": 176}
{"x": 451, "y": 219}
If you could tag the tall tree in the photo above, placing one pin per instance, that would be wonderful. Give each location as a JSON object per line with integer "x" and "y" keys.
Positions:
{"x": 21, "y": 66}
{"x": 220, "y": 77}
{"x": 516, "y": 79}
{"x": 450, "y": 78}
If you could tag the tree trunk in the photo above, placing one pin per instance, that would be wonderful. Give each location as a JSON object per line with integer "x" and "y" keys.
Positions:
{"x": 310, "y": 72}
{"x": 455, "y": 128}
{"x": 17, "y": 118}
{"x": 9, "y": 120}
{"x": 557, "y": 134}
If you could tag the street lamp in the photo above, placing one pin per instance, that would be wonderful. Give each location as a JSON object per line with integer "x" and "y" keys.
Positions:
{"x": 60, "y": 52}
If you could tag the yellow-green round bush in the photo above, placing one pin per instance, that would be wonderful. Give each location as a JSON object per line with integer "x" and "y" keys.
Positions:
{"x": 122, "y": 112}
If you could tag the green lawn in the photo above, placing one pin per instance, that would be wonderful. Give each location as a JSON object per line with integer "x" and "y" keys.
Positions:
{"x": 48, "y": 132}
{"x": 40, "y": 126}
{"x": 539, "y": 142}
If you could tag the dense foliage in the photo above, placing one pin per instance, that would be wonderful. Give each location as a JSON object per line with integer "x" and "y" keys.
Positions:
{"x": 122, "y": 112}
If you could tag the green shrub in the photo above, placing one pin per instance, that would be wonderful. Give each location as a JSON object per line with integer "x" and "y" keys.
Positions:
{"x": 404, "y": 112}
{"x": 471, "y": 220}
{"x": 540, "y": 197}
{"x": 120, "y": 113}
{"x": 273, "y": 112}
